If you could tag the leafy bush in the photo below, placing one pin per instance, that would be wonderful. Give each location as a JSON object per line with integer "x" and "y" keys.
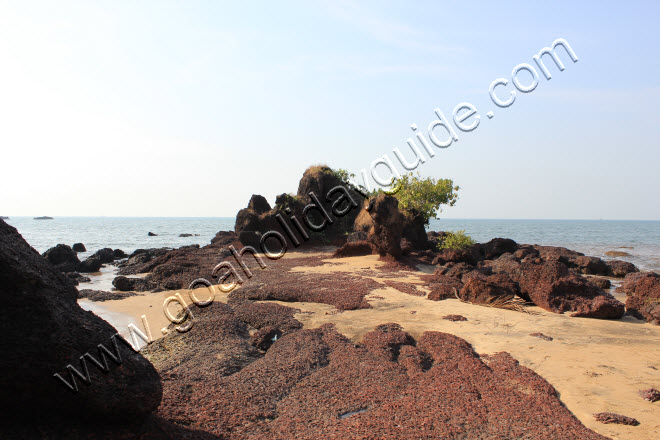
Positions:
{"x": 457, "y": 240}
{"x": 425, "y": 195}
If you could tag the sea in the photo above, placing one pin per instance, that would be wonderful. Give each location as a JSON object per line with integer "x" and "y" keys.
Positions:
{"x": 640, "y": 239}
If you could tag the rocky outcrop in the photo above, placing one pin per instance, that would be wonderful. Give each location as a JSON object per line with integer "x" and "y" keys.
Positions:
{"x": 44, "y": 330}
{"x": 442, "y": 286}
{"x": 497, "y": 247}
{"x": 125, "y": 284}
{"x": 386, "y": 231}
{"x": 374, "y": 389}
{"x": 643, "y": 292}
{"x": 63, "y": 258}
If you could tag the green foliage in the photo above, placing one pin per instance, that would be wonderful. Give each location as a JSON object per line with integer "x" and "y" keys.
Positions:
{"x": 457, "y": 240}
{"x": 425, "y": 195}
{"x": 413, "y": 192}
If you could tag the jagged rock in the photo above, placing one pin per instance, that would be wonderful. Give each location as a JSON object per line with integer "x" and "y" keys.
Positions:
{"x": 385, "y": 234}
{"x": 589, "y": 265}
{"x": 492, "y": 289}
{"x": 79, "y": 247}
{"x": 602, "y": 283}
{"x": 45, "y": 329}
{"x": 259, "y": 204}
{"x": 105, "y": 255}
{"x": 62, "y": 257}
{"x": 643, "y": 292}
{"x": 414, "y": 230}
{"x": 553, "y": 287}
{"x": 619, "y": 269}
{"x": 90, "y": 265}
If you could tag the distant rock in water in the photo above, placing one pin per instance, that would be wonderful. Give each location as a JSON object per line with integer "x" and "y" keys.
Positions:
{"x": 188, "y": 235}
{"x": 617, "y": 254}
{"x": 4, "y": 218}
{"x": 43, "y": 218}
{"x": 79, "y": 247}
{"x": 44, "y": 330}
{"x": 151, "y": 234}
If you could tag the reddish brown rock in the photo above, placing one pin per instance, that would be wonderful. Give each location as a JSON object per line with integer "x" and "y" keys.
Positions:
{"x": 498, "y": 246}
{"x": 258, "y": 204}
{"x": 619, "y": 269}
{"x": 541, "y": 336}
{"x": 553, "y": 287}
{"x": 354, "y": 249}
{"x": 455, "y": 318}
{"x": 492, "y": 289}
{"x": 318, "y": 384}
{"x": 602, "y": 283}
{"x": 590, "y": 265}
{"x": 607, "y": 417}
{"x": 643, "y": 292}
{"x": 471, "y": 255}
{"x": 652, "y": 395}
{"x": 442, "y": 286}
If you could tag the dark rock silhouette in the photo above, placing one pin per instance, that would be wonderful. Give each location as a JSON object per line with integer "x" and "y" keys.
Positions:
{"x": 63, "y": 258}
{"x": 151, "y": 234}
{"x": 258, "y": 204}
{"x": 620, "y": 269}
{"x": 387, "y": 228}
{"x": 44, "y": 330}
{"x": 79, "y": 247}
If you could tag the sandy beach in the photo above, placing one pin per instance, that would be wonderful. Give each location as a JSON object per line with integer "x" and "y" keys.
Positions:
{"x": 595, "y": 365}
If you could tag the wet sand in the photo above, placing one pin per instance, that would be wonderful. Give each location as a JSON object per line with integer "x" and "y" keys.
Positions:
{"x": 595, "y": 365}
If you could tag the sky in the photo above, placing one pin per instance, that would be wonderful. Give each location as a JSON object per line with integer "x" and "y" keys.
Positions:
{"x": 123, "y": 108}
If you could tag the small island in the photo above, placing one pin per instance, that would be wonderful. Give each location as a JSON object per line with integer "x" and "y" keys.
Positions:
{"x": 43, "y": 218}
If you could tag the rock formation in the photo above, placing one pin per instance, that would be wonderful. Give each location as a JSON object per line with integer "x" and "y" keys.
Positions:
{"x": 44, "y": 330}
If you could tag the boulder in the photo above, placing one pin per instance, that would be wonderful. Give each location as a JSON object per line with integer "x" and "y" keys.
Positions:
{"x": 498, "y": 246}
{"x": 92, "y": 264}
{"x": 470, "y": 255}
{"x": 643, "y": 292}
{"x": 619, "y": 269}
{"x": 414, "y": 229}
{"x": 385, "y": 234}
{"x": 602, "y": 283}
{"x": 258, "y": 204}
{"x": 119, "y": 254}
{"x": 79, "y": 247}
{"x": 442, "y": 287}
{"x": 105, "y": 255}
{"x": 487, "y": 290}
{"x": 551, "y": 286}
{"x": 62, "y": 257}
{"x": 44, "y": 330}
{"x": 151, "y": 234}
{"x": 589, "y": 265}
{"x": 126, "y": 284}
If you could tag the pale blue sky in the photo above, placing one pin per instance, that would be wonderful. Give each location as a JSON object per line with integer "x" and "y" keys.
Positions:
{"x": 124, "y": 108}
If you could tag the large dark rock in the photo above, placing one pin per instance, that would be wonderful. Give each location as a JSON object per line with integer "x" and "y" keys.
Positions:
{"x": 385, "y": 234}
{"x": 62, "y": 257}
{"x": 643, "y": 292}
{"x": 79, "y": 247}
{"x": 105, "y": 255}
{"x": 259, "y": 204}
{"x": 488, "y": 290}
{"x": 589, "y": 265}
{"x": 414, "y": 229}
{"x": 43, "y": 331}
{"x": 92, "y": 264}
{"x": 471, "y": 255}
{"x": 498, "y": 246}
{"x": 353, "y": 249}
{"x": 126, "y": 284}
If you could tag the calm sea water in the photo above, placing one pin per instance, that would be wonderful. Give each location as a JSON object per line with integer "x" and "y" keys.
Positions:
{"x": 641, "y": 239}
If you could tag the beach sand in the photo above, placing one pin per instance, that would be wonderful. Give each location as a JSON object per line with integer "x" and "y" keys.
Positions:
{"x": 595, "y": 365}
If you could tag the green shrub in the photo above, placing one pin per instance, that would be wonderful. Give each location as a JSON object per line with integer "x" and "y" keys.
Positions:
{"x": 457, "y": 240}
